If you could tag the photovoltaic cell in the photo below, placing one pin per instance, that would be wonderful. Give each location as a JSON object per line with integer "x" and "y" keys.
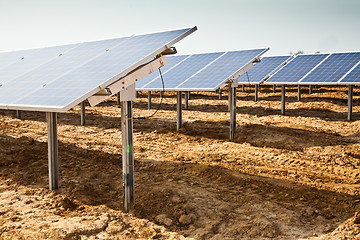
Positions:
{"x": 155, "y": 76}
{"x": 220, "y": 70}
{"x": 353, "y": 76}
{"x": 262, "y": 70}
{"x": 333, "y": 68}
{"x": 296, "y": 69}
{"x": 68, "y": 79}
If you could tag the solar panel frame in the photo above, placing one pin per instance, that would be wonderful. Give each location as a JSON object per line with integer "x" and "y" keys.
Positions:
{"x": 284, "y": 60}
{"x": 180, "y": 34}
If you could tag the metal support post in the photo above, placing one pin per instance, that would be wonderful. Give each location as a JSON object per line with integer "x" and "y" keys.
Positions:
{"x": 232, "y": 102}
{"x": 161, "y": 94}
{"x": 350, "y": 102}
{"x": 51, "y": 118}
{"x": 283, "y": 99}
{"x": 299, "y": 92}
{"x": 127, "y": 154}
{"x": 220, "y": 94}
{"x": 256, "y": 92}
{"x": 118, "y": 98}
{"x": 186, "y": 100}
{"x": 18, "y": 114}
{"x": 243, "y": 88}
{"x": 310, "y": 89}
{"x": 82, "y": 113}
{"x": 178, "y": 110}
{"x": 149, "y": 99}
{"x": 274, "y": 88}
{"x": 189, "y": 95}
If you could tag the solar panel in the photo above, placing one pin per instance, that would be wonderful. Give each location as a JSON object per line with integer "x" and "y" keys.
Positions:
{"x": 184, "y": 70}
{"x": 353, "y": 76}
{"x": 31, "y": 62}
{"x": 8, "y": 58}
{"x": 79, "y": 73}
{"x": 296, "y": 69}
{"x": 214, "y": 75}
{"x": 154, "y": 78}
{"x": 204, "y": 72}
{"x": 263, "y": 69}
{"x": 333, "y": 68}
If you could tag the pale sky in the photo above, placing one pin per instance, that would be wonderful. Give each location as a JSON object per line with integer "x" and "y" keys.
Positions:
{"x": 223, "y": 25}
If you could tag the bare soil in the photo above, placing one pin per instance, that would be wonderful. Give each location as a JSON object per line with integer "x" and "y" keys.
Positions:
{"x": 284, "y": 177}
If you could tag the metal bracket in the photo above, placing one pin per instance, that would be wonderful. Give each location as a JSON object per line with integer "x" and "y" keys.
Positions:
{"x": 127, "y": 81}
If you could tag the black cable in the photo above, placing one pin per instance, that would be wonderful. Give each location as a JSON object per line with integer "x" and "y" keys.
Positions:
{"x": 161, "y": 100}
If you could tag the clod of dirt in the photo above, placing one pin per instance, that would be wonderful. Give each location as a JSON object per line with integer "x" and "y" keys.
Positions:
{"x": 185, "y": 219}
{"x": 67, "y": 204}
{"x": 357, "y": 218}
{"x": 164, "y": 220}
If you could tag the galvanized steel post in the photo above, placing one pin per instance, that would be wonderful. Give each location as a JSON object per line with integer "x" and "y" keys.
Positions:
{"x": 82, "y": 113}
{"x": 51, "y": 118}
{"x": 127, "y": 154}
{"x": 186, "y": 107}
{"x": 256, "y": 92}
{"x": 232, "y": 106}
{"x": 18, "y": 114}
{"x": 350, "y": 101}
{"x": 178, "y": 110}
{"x": 283, "y": 99}
{"x": 299, "y": 93}
{"x": 149, "y": 99}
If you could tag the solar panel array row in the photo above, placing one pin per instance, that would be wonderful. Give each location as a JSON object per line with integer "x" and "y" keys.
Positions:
{"x": 58, "y": 78}
{"x": 202, "y": 72}
{"x": 336, "y": 68}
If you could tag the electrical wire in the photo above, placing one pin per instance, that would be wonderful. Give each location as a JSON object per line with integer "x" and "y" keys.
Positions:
{"x": 161, "y": 100}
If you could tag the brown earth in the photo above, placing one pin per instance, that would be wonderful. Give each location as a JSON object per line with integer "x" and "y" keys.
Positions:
{"x": 284, "y": 177}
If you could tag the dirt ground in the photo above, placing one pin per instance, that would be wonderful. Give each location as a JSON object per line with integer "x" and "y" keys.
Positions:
{"x": 284, "y": 177}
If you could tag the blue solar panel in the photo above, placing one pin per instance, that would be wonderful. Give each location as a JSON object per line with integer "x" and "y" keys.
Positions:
{"x": 154, "y": 77}
{"x": 296, "y": 69}
{"x": 220, "y": 70}
{"x": 262, "y": 70}
{"x": 184, "y": 70}
{"x": 78, "y": 74}
{"x": 353, "y": 76}
{"x": 333, "y": 68}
